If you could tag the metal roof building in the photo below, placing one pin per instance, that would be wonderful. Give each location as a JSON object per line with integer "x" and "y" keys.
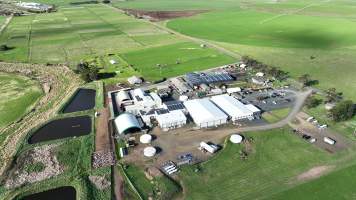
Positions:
{"x": 171, "y": 119}
{"x": 126, "y": 123}
{"x": 205, "y": 113}
{"x": 196, "y": 79}
{"x": 233, "y": 107}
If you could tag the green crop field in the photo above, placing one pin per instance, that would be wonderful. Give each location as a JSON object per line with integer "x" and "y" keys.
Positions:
{"x": 18, "y": 94}
{"x": 287, "y": 40}
{"x": 81, "y": 32}
{"x": 191, "y": 57}
{"x": 277, "y": 158}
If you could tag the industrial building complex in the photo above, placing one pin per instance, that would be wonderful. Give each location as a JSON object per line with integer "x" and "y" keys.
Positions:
{"x": 139, "y": 108}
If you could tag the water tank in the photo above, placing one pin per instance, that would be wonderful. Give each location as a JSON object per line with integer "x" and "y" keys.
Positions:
{"x": 236, "y": 138}
{"x": 149, "y": 151}
{"x": 146, "y": 138}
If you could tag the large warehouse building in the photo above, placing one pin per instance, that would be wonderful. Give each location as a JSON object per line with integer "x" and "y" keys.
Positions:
{"x": 234, "y": 108}
{"x": 205, "y": 113}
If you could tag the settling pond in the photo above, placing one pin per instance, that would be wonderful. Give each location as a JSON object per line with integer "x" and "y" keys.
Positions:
{"x": 84, "y": 99}
{"x": 62, "y": 128}
{"x": 61, "y": 193}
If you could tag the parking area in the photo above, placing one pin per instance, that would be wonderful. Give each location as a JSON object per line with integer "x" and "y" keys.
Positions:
{"x": 268, "y": 99}
{"x": 314, "y": 135}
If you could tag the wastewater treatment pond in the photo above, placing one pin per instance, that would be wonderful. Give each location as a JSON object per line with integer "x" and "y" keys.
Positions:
{"x": 62, "y": 128}
{"x": 61, "y": 193}
{"x": 83, "y": 99}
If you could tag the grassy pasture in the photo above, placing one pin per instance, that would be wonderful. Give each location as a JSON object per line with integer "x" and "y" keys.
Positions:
{"x": 275, "y": 115}
{"x": 337, "y": 185}
{"x": 18, "y": 94}
{"x": 2, "y": 19}
{"x": 191, "y": 57}
{"x": 287, "y": 41}
{"x": 277, "y": 158}
{"x": 265, "y": 29}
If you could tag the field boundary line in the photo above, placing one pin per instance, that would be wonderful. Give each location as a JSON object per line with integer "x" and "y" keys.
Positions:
{"x": 29, "y": 42}
{"x": 193, "y": 39}
{"x": 293, "y": 12}
{"x": 130, "y": 183}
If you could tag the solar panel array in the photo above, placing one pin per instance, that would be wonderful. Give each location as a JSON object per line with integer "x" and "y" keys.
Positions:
{"x": 176, "y": 105}
{"x": 197, "y": 79}
{"x": 161, "y": 111}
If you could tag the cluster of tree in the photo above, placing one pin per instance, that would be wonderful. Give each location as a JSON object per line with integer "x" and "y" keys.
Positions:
{"x": 306, "y": 80}
{"x": 106, "y": 1}
{"x": 4, "y": 47}
{"x": 313, "y": 102}
{"x": 84, "y": 2}
{"x": 88, "y": 72}
{"x": 342, "y": 111}
{"x": 332, "y": 96}
{"x": 270, "y": 70}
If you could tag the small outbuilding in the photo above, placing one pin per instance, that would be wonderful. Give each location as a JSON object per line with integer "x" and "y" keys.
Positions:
{"x": 134, "y": 80}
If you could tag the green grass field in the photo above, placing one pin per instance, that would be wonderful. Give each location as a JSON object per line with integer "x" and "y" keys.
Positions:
{"x": 191, "y": 57}
{"x": 287, "y": 41}
{"x": 337, "y": 185}
{"x": 276, "y": 115}
{"x": 18, "y": 94}
{"x": 267, "y": 29}
{"x": 276, "y": 159}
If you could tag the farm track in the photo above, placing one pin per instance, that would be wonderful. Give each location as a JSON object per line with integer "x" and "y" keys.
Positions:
{"x": 62, "y": 82}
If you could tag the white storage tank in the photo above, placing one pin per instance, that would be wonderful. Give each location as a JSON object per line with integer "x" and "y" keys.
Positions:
{"x": 146, "y": 138}
{"x": 236, "y": 138}
{"x": 149, "y": 151}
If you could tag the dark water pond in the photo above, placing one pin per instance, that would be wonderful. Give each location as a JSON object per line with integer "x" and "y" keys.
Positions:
{"x": 62, "y": 128}
{"x": 61, "y": 193}
{"x": 84, "y": 99}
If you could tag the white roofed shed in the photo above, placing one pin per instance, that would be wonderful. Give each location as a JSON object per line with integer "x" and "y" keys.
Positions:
{"x": 172, "y": 119}
{"x": 205, "y": 113}
{"x": 233, "y": 107}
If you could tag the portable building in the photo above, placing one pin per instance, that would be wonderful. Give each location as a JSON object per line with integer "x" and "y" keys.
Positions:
{"x": 171, "y": 119}
{"x": 205, "y": 113}
{"x": 208, "y": 148}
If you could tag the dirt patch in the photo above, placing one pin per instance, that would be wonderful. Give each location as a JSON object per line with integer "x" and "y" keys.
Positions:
{"x": 102, "y": 137}
{"x": 161, "y": 15}
{"x": 314, "y": 172}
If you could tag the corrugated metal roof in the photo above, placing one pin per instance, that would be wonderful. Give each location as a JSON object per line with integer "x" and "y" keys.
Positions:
{"x": 203, "y": 111}
{"x": 233, "y": 107}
